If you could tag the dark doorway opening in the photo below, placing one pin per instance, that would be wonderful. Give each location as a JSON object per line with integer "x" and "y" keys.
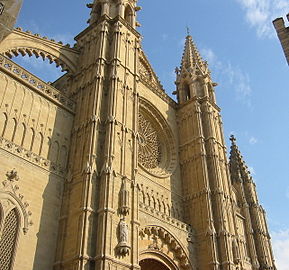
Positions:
{"x": 150, "y": 264}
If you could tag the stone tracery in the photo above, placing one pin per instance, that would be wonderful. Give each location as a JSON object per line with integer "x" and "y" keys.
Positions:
{"x": 149, "y": 144}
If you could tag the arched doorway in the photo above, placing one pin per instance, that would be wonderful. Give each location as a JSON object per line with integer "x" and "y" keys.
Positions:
{"x": 151, "y": 264}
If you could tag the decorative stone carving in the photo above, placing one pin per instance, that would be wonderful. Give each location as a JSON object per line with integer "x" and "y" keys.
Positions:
{"x": 11, "y": 198}
{"x": 161, "y": 240}
{"x": 236, "y": 252}
{"x": 12, "y": 175}
{"x": 157, "y": 151}
{"x": 124, "y": 199}
{"x": 149, "y": 145}
{"x": 123, "y": 248}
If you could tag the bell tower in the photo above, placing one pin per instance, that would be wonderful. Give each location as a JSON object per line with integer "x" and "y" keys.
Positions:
{"x": 97, "y": 231}
{"x": 205, "y": 174}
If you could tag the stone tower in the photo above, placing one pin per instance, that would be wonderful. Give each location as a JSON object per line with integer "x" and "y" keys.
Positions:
{"x": 283, "y": 35}
{"x": 113, "y": 172}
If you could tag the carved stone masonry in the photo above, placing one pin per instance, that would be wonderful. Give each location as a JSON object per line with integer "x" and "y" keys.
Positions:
{"x": 124, "y": 199}
{"x": 123, "y": 248}
{"x": 10, "y": 189}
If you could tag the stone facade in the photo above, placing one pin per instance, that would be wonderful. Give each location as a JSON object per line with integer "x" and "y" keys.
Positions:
{"x": 9, "y": 10}
{"x": 103, "y": 170}
{"x": 283, "y": 35}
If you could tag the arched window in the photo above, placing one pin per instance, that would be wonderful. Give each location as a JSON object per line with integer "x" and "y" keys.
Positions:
{"x": 95, "y": 13}
{"x": 187, "y": 92}
{"x": 128, "y": 14}
{"x": 9, "y": 232}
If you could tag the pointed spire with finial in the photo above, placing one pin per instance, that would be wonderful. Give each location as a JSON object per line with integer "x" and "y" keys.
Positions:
{"x": 238, "y": 168}
{"x": 191, "y": 57}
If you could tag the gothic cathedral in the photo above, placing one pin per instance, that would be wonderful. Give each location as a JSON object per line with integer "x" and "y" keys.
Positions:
{"x": 102, "y": 170}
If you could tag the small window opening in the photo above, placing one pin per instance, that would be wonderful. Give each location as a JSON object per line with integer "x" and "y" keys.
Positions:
{"x": 128, "y": 14}
{"x": 187, "y": 92}
{"x": 95, "y": 13}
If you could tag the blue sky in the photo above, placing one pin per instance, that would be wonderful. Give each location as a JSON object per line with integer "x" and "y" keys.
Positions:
{"x": 245, "y": 57}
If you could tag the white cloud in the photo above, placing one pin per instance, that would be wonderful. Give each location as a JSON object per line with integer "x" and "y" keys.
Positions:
{"x": 234, "y": 76}
{"x": 253, "y": 140}
{"x": 280, "y": 242}
{"x": 261, "y": 13}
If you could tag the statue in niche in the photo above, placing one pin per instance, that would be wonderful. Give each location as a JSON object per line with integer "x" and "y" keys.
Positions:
{"x": 123, "y": 231}
{"x": 123, "y": 247}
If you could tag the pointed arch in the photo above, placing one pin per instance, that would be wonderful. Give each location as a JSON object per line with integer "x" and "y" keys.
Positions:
{"x": 186, "y": 91}
{"x": 25, "y": 43}
{"x": 28, "y": 139}
{"x": 128, "y": 14}
{"x": 54, "y": 152}
{"x": 20, "y": 134}
{"x": 95, "y": 13}
{"x": 38, "y": 143}
{"x": 3, "y": 123}
{"x": 10, "y": 129}
{"x": 46, "y": 147}
{"x": 158, "y": 243}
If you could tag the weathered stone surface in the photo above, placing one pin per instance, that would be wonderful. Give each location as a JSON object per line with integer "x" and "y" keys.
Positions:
{"x": 9, "y": 10}
{"x": 103, "y": 170}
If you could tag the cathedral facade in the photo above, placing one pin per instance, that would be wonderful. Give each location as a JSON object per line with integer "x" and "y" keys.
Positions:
{"x": 102, "y": 170}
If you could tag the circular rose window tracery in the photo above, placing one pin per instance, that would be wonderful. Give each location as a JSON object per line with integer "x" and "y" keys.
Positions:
{"x": 149, "y": 144}
{"x": 156, "y": 143}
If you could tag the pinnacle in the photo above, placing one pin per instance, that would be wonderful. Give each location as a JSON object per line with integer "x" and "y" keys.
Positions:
{"x": 191, "y": 56}
{"x": 238, "y": 168}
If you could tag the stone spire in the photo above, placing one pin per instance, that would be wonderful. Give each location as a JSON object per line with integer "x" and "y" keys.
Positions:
{"x": 258, "y": 239}
{"x": 238, "y": 168}
{"x": 193, "y": 76}
{"x": 192, "y": 59}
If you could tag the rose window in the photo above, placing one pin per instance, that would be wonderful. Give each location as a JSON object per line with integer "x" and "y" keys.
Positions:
{"x": 149, "y": 154}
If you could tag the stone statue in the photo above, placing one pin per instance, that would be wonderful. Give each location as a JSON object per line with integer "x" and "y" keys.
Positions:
{"x": 123, "y": 231}
{"x": 123, "y": 247}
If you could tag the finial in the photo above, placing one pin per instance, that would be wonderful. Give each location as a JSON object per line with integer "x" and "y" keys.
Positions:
{"x": 233, "y": 139}
{"x": 188, "y": 31}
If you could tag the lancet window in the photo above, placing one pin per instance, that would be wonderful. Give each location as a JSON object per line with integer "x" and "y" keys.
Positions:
{"x": 9, "y": 229}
